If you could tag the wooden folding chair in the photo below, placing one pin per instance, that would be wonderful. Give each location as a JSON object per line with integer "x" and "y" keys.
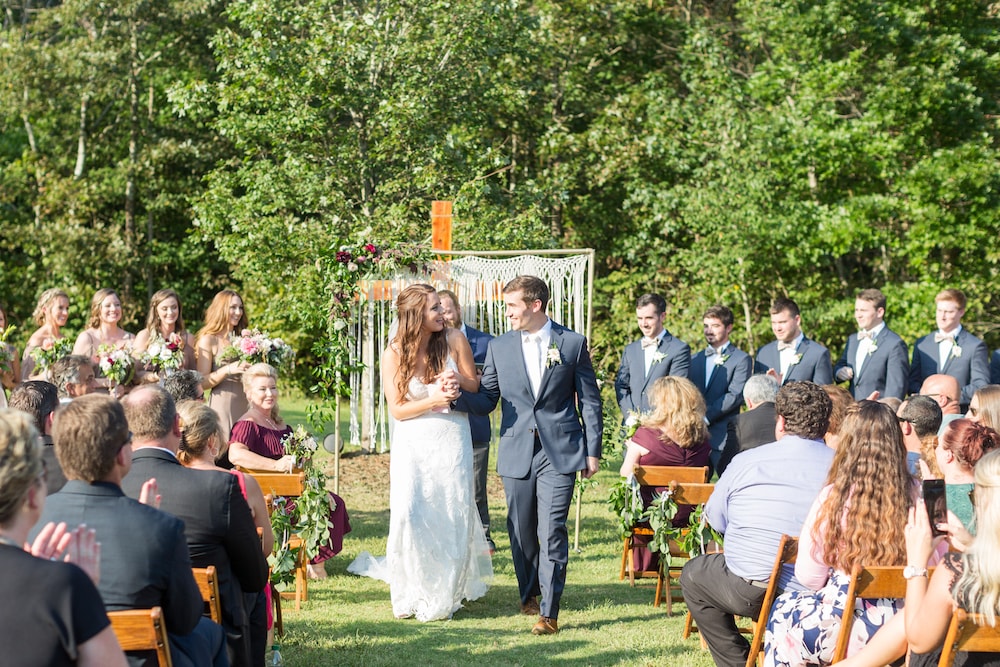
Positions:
{"x": 788, "y": 550}
{"x": 208, "y": 584}
{"x": 968, "y": 632}
{"x": 867, "y": 583}
{"x": 289, "y": 485}
{"x": 142, "y": 630}
{"x": 655, "y": 476}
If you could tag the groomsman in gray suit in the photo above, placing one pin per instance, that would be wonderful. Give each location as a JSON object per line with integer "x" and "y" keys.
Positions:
{"x": 951, "y": 350}
{"x": 875, "y": 358}
{"x": 655, "y": 355}
{"x": 793, "y": 357}
{"x": 720, "y": 371}
{"x": 550, "y": 429}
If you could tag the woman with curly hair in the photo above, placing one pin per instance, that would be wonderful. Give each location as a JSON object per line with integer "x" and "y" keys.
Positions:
{"x": 673, "y": 434}
{"x": 858, "y": 518}
{"x": 437, "y": 554}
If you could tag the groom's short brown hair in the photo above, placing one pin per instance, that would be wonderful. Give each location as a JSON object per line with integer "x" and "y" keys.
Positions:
{"x": 532, "y": 287}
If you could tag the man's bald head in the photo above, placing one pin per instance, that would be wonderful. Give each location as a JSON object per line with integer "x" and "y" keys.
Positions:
{"x": 945, "y": 390}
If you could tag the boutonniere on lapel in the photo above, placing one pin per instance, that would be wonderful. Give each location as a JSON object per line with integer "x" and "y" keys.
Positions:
{"x": 956, "y": 352}
{"x": 552, "y": 356}
{"x": 796, "y": 359}
{"x": 658, "y": 357}
{"x": 872, "y": 348}
{"x": 721, "y": 359}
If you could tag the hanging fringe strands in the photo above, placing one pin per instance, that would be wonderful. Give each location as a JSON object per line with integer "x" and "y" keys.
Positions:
{"x": 478, "y": 279}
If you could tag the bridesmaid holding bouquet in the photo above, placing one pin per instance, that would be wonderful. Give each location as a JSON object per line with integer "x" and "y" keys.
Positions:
{"x": 224, "y": 317}
{"x": 50, "y": 314}
{"x": 164, "y": 345}
{"x": 103, "y": 337}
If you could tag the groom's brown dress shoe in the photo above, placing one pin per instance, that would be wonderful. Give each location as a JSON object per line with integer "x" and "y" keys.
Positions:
{"x": 545, "y": 626}
{"x": 531, "y": 608}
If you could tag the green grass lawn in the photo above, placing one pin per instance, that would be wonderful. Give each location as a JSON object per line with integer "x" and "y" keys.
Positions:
{"x": 348, "y": 619}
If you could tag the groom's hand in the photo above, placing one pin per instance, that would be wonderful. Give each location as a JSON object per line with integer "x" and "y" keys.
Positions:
{"x": 593, "y": 463}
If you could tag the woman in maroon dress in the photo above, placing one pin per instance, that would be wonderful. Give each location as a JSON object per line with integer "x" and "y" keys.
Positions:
{"x": 255, "y": 444}
{"x": 673, "y": 434}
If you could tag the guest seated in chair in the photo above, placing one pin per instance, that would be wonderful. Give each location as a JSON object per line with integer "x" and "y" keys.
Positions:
{"x": 959, "y": 449}
{"x": 857, "y": 519}
{"x": 145, "y": 559}
{"x": 52, "y": 614}
{"x": 256, "y": 443}
{"x": 674, "y": 434}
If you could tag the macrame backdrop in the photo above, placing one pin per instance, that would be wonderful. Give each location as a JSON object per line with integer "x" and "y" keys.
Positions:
{"x": 477, "y": 279}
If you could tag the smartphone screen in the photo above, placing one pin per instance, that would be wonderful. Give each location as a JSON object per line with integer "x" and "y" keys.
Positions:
{"x": 936, "y": 504}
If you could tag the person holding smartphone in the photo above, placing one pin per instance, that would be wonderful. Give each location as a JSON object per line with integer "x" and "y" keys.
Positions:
{"x": 959, "y": 448}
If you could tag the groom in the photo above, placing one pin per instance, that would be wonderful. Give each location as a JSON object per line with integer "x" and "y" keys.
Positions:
{"x": 543, "y": 372}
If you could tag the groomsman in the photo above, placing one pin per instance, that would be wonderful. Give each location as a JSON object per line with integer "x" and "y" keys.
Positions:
{"x": 720, "y": 371}
{"x": 951, "y": 350}
{"x": 793, "y": 357}
{"x": 482, "y": 431}
{"x": 875, "y": 358}
{"x": 655, "y": 355}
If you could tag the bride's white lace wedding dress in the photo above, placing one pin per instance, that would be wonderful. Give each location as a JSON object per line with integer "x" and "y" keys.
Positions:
{"x": 437, "y": 554}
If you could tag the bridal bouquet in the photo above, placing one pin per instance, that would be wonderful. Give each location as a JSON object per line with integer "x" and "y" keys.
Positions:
{"x": 115, "y": 363}
{"x": 164, "y": 355}
{"x": 50, "y": 351}
{"x": 253, "y": 346}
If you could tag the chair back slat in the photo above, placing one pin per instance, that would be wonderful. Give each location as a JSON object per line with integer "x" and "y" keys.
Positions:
{"x": 208, "y": 584}
{"x": 867, "y": 582}
{"x": 285, "y": 484}
{"x": 663, "y": 475}
{"x": 969, "y": 632}
{"x": 686, "y": 493}
{"x": 142, "y": 630}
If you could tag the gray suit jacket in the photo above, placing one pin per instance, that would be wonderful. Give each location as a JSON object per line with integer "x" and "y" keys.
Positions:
{"x": 632, "y": 380}
{"x": 566, "y": 416}
{"x": 971, "y": 368}
{"x": 886, "y": 370}
{"x": 813, "y": 367}
{"x": 724, "y": 393}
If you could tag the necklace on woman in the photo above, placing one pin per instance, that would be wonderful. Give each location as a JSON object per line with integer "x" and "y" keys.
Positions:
{"x": 270, "y": 422}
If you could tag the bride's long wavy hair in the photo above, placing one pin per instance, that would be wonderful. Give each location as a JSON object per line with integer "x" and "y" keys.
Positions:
{"x": 410, "y": 307}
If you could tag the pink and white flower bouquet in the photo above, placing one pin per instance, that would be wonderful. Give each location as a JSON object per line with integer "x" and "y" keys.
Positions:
{"x": 253, "y": 346}
{"x": 164, "y": 355}
{"x": 115, "y": 363}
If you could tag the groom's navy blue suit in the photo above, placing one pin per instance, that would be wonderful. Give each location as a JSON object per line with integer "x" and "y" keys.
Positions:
{"x": 544, "y": 441}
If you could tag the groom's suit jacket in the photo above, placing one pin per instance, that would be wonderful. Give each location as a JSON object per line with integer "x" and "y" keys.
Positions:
{"x": 566, "y": 416}
{"x": 632, "y": 380}
{"x": 886, "y": 370}
{"x": 724, "y": 391}
{"x": 814, "y": 366}
{"x": 971, "y": 367}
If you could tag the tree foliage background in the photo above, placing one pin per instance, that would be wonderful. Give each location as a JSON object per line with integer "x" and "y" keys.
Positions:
{"x": 725, "y": 151}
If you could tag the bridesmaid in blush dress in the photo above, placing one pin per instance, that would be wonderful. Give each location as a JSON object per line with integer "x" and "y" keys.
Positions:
{"x": 103, "y": 329}
{"x": 163, "y": 321}
{"x": 51, "y": 315}
{"x": 224, "y": 316}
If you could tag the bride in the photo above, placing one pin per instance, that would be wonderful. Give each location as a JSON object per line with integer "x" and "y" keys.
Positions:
{"x": 437, "y": 554}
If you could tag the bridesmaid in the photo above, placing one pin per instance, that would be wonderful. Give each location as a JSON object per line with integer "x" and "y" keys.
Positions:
{"x": 10, "y": 371}
{"x": 224, "y": 316}
{"x": 50, "y": 314}
{"x": 102, "y": 329}
{"x": 164, "y": 320}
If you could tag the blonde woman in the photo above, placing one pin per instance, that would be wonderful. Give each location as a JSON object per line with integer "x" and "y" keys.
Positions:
{"x": 984, "y": 408}
{"x": 970, "y": 580}
{"x": 102, "y": 327}
{"x": 50, "y": 314}
{"x": 673, "y": 434}
{"x": 224, "y": 316}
